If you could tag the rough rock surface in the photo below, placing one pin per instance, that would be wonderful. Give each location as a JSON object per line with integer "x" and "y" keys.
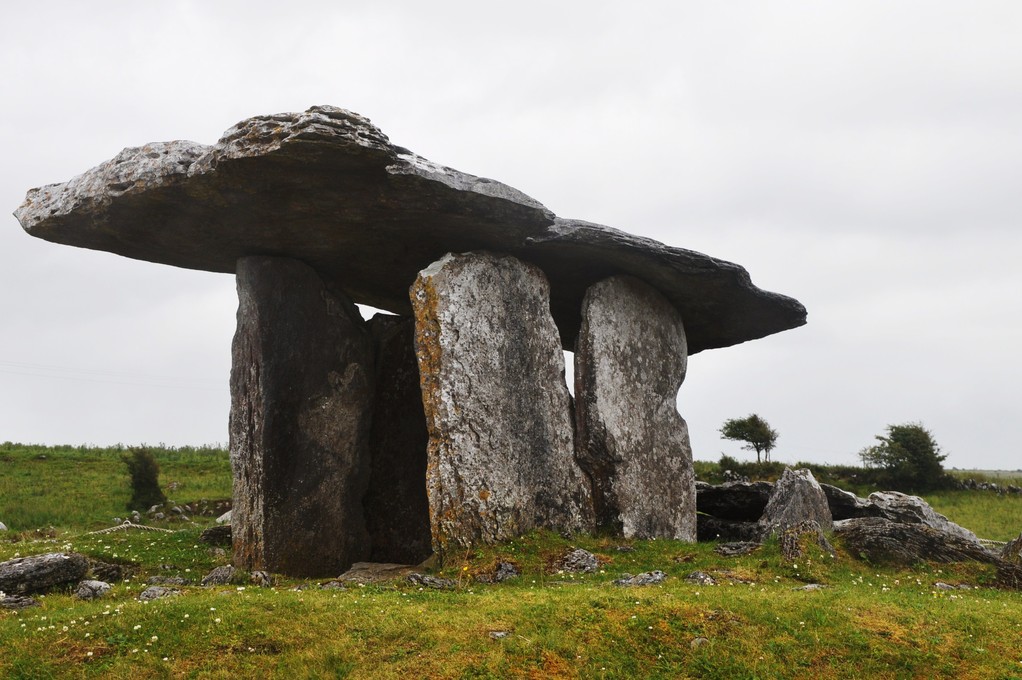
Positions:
{"x": 881, "y": 540}
{"x": 709, "y": 528}
{"x": 220, "y": 534}
{"x": 396, "y": 505}
{"x": 580, "y": 561}
{"x": 846, "y": 505}
{"x": 90, "y": 590}
{"x": 156, "y": 593}
{"x": 219, "y": 576}
{"x": 739, "y": 501}
{"x": 375, "y": 572}
{"x": 1012, "y": 552}
{"x": 795, "y": 538}
{"x": 39, "y": 573}
{"x": 301, "y": 394}
{"x": 633, "y": 445}
{"x": 900, "y": 507}
{"x": 17, "y": 602}
{"x": 646, "y": 578}
{"x": 327, "y": 187}
{"x": 434, "y": 582}
{"x": 501, "y": 444}
{"x": 796, "y": 498}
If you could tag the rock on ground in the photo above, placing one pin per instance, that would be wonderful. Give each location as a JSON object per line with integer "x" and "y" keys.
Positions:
{"x": 580, "y": 561}
{"x": 633, "y": 445}
{"x": 219, "y": 576}
{"x": 156, "y": 593}
{"x": 793, "y": 539}
{"x": 1012, "y": 552}
{"x": 39, "y": 573}
{"x": 367, "y": 573}
{"x": 17, "y": 602}
{"x": 301, "y": 398}
{"x": 648, "y": 578}
{"x": 900, "y": 507}
{"x": 501, "y": 442}
{"x": 881, "y": 540}
{"x": 796, "y": 498}
{"x": 90, "y": 590}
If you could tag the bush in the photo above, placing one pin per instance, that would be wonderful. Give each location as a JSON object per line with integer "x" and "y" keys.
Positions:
{"x": 145, "y": 479}
{"x": 909, "y": 459}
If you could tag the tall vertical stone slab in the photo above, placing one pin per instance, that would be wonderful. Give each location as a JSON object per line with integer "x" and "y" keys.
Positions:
{"x": 630, "y": 361}
{"x": 301, "y": 399}
{"x": 396, "y": 505}
{"x": 498, "y": 412}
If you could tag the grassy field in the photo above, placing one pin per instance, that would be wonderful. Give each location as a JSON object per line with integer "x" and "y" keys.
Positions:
{"x": 869, "y": 621}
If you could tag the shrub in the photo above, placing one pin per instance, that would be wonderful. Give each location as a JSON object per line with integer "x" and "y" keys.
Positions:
{"x": 145, "y": 484}
{"x": 909, "y": 457}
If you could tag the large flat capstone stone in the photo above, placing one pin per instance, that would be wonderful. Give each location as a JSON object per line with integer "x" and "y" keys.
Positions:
{"x": 327, "y": 187}
{"x": 301, "y": 400}
{"x": 501, "y": 445}
{"x": 629, "y": 364}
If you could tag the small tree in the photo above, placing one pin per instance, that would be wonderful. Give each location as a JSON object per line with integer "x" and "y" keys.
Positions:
{"x": 910, "y": 456}
{"x": 754, "y": 431}
{"x": 145, "y": 484}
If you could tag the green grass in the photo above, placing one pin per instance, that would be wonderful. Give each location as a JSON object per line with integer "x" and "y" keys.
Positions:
{"x": 870, "y": 621}
{"x": 81, "y": 487}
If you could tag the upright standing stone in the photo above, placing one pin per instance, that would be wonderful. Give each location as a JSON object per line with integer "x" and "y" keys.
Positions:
{"x": 301, "y": 394}
{"x": 797, "y": 497}
{"x": 497, "y": 409}
{"x": 396, "y": 506}
{"x": 629, "y": 363}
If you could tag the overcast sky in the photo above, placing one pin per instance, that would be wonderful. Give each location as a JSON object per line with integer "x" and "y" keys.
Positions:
{"x": 863, "y": 157}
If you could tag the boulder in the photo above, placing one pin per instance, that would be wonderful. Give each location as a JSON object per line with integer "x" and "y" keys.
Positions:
{"x": 301, "y": 398}
{"x": 796, "y": 498}
{"x": 224, "y": 518}
{"x": 633, "y": 445}
{"x": 580, "y": 561}
{"x": 396, "y": 505}
{"x": 738, "y": 501}
{"x": 17, "y": 602}
{"x": 795, "y": 538}
{"x": 882, "y": 540}
{"x": 647, "y": 578}
{"x": 157, "y": 592}
{"x": 501, "y": 442}
{"x": 328, "y": 188}
{"x": 220, "y": 534}
{"x": 900, "y": 507}
{"x": 366, "y": 573}
{"x": 219, "y": 576}
{"x": 39, "y": 573}
{"x": 846, "y": 505}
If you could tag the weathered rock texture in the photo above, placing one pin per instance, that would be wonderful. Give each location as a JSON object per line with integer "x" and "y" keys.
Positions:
{"x": 39, "y": 573}
{"x": 501, "y": 445}
{"x": 632, "y": 443}
{"x": 301, "y": 394}
{"x": 796, "y": 498}
{"x": 900, "y": 507}
{"x": 328, "y": 188}
{"x": 736, "y": 501}
{"x": 885, "y": 541}
{"x": 396, "y": 506}
{"x": 1012, "y": 552}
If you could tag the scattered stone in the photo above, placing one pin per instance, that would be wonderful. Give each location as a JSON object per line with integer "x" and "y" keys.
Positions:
{"x": 624, "y": 548}
{"x": 809, "y": 587}
{"x": 796, "y": 499}
{"x": 580, "y": 561}
{"x": 3, "y": 527}
{"x": 396, "y": 504}
{"x": 157, "y": 592}
{"x": 900, "y": 507}
{"x": 648, "y": 578}
{"x": 794, "y": 539}
{"x": 167, "y": 581}
{"x": 365, "y": 573}
{"x": 499, "y": 634}
{"x": 301, "y": 395}
{"x": 939, "y": 585}
{"x": 435, "y": 582}
{"x": 39, "y": 573}
{"x": 220, "y": 576}
{"x": 630, "y": 361}
{"x": 224, "y": 518}
{"x": 505, "y": 571}
{"x": 261, "y": 579}
{"x": 220, "y": 534}
{"x": 737, "y": 549}
{"x": 698, "y": 642}
{"x": 501, "y": 442}
{"x": 90, "y": 590}
{"x": 332, "y": 585}
{"x": 735, "y": 501}
{"x": 17, "y": 602}
{"x": 701, "y": 578}
{"x": 159, "y": 516}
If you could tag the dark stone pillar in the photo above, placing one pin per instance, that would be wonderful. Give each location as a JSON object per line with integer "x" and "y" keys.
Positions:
{"x": 498, "y": 412}
{"x": 629, "y": 363}
{"x": 301, "y": 394}
{"x": 396, "y": 506}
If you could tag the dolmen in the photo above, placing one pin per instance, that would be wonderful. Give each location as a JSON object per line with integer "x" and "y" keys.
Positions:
{"x": 444, "y": 422}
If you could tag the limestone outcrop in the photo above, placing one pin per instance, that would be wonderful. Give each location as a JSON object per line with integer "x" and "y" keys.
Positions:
{"x": 632, "y": 443}
{"x": 301, "y": 398}
{"x": 39, "y": 573}
{"x": 501, "y": 445}
{"x": 329, "y": 188}
{"x": 796, "y": 498}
